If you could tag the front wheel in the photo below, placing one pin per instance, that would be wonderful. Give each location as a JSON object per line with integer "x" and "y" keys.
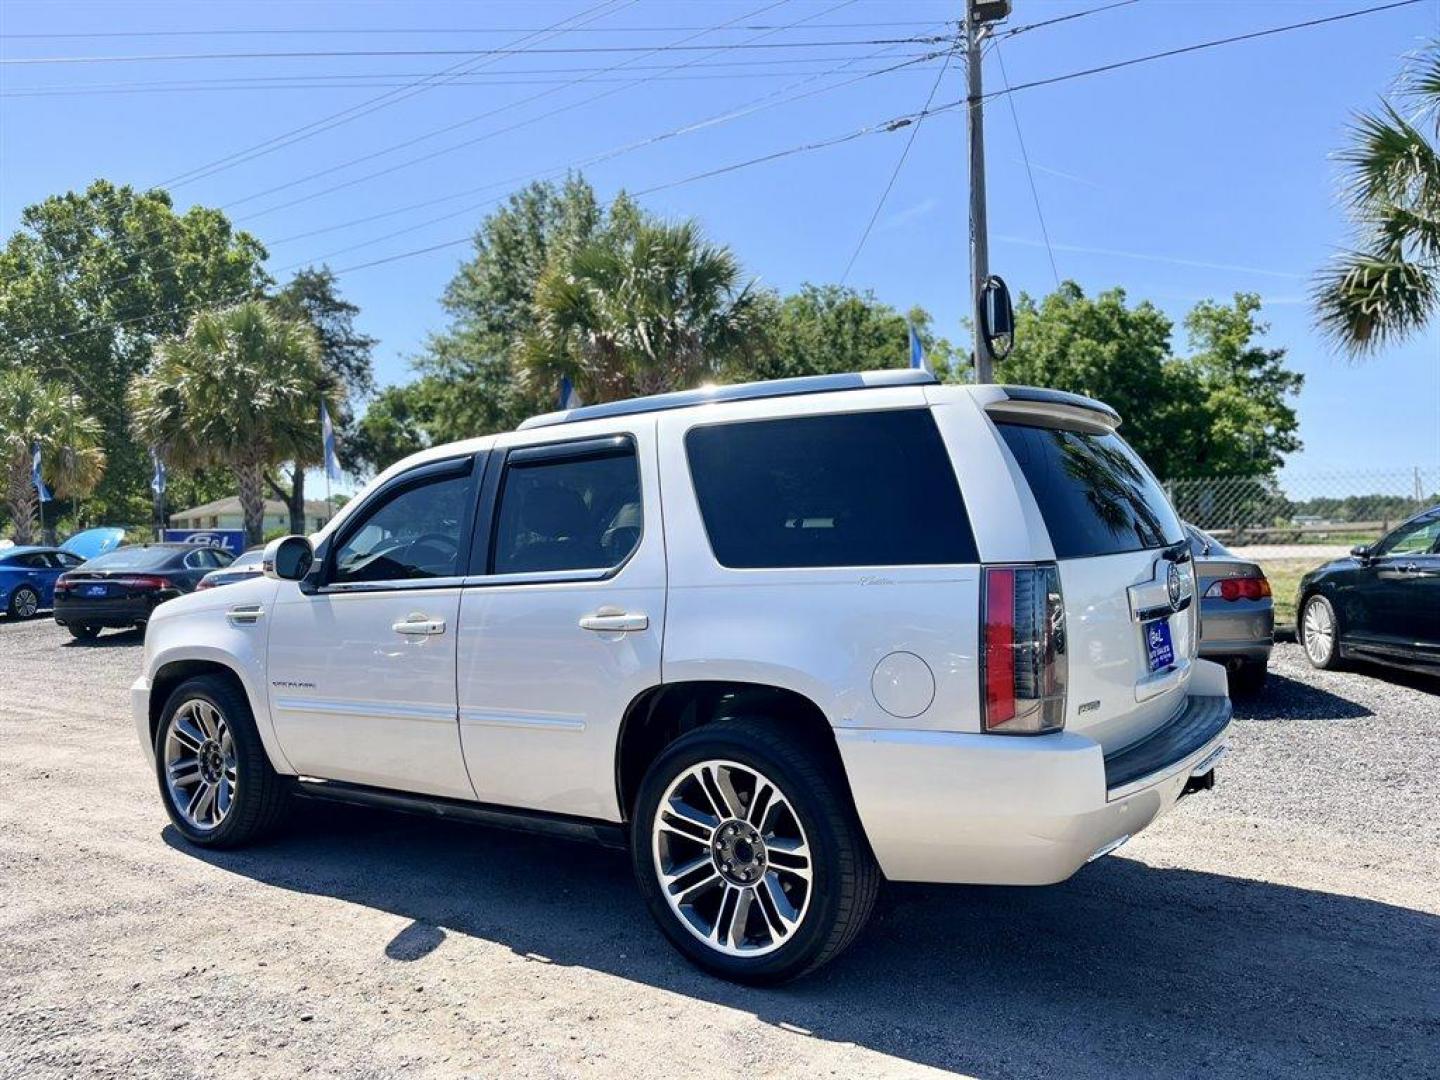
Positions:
{"x": 749, "y": 855}
{"x": 1320, "y": 632}
{"x": 24, "y": 603}
{"x": 215, "y": 778}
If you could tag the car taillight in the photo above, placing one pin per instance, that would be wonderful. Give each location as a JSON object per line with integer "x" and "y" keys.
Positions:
{"x": 1023, "y": 662}
{"x": 63, "y": 583}
{"x": 204, "y": 583}
{"x": 1239, "y": 588}
{"x": 143, "y": 581}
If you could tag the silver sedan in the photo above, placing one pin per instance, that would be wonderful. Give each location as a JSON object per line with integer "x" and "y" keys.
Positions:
{"x": 1237, "y": 614}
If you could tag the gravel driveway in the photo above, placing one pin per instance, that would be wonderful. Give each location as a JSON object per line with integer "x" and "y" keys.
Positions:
{"x": 1286, "y": 924}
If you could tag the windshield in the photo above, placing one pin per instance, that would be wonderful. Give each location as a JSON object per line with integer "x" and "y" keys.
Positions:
{"x": 1203, "y": 544}
{"x": 1095, "y": 494}
{"x": 132, "y": 558}
{"x": 250, "y": 558}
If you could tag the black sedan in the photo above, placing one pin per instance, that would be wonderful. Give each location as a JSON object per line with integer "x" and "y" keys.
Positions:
{"x": 122, "y": 587}
{"x": 1381, "y": 603}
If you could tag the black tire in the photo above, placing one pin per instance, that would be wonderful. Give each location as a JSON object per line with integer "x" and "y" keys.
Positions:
{"x": 1327, "y": 659}
{"x": 845, "y": 876}
{"x": 83, "y": 633}
{"x": 261, "y": 797}
{"x": 1247, "y": 678}
{"x": 24, "y": 603}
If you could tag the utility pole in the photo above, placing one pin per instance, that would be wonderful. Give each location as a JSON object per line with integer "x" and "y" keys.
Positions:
{"x": 979, "y": 14}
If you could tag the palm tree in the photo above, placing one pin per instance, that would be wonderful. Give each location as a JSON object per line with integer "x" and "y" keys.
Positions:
{"x": 644, "y": 309}
{"x": 1388, "y": 286}
{"x": 34, "y": 412}
{"x": 241, "y": 389}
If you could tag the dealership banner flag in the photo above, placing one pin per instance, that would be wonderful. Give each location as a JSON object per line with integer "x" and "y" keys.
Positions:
{"x": 35, "y": 477}
{"x": 327, "y": 429}
{"x": 569, "y": 399}
{"x": 158, "y": 477}
{"x": 917, "y": 351}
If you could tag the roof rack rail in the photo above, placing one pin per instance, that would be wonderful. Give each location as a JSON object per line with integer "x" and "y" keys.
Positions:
{"x": 772, "y": 388}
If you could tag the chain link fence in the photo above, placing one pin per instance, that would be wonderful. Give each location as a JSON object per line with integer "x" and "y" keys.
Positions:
{"x": 1303, "y": 508}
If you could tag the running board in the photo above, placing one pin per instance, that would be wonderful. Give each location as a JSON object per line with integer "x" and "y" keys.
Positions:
{"x": 605, "y": 833}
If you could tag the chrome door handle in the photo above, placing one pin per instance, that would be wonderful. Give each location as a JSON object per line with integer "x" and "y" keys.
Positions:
{"x": 613, "y": 619}
{"x": 419, "y": 624}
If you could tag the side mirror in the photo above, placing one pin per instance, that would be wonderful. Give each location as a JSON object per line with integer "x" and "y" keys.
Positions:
{"x": 1361, "y": 552}
{"x": 288, "y": 558}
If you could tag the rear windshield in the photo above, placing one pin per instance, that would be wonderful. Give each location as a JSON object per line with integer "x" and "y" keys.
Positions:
{"x": 1203, "y": 544}
{"x": 132, "y": 558}
{"x": 850, "y": 489}
{"x": 1096, "y": 495}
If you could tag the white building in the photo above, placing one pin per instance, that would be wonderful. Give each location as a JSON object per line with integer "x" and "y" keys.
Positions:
{"x": 226, "y": 514}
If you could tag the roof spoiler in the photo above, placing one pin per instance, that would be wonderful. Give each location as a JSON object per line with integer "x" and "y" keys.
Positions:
{"x": 1053, "y": 408}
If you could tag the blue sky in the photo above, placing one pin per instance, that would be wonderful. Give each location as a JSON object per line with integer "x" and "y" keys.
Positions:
{"x": 1186, "y": 178}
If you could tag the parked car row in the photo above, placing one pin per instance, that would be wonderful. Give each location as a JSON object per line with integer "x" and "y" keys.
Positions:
{"x": 117, "y": 587}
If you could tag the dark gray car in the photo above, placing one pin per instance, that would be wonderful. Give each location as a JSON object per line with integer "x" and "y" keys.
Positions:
{"x": 1237, "y": 614}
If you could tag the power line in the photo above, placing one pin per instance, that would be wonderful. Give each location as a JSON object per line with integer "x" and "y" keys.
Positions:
{"x": 381, "y": 101}
{"x": 1012, "y": 31}
{"x": 421, "y": 159}
{"x": 1203, "y": 45}
{"x": 895, "y": 173}
{"x": 312, "y": 54}
{"x": 1025, "y": 156}
{"x": 340, "y": 31}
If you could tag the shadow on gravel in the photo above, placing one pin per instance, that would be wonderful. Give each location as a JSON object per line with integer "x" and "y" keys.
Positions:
{"x": 1124, "y": 970}
{"x": 1284, "y": 698}
{"x": 110, "y": 639}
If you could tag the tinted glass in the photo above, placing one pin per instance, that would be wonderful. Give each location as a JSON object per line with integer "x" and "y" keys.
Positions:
{"x": 136, "y": 558}
{"x": 578, "y": 514}
{"x": 249, "y": 558}
{"x": 1096, "y": 495}
{"x": 1417, "y": 538}
{"x": 414, "y": 533}
{"x": 35, "y": 560}
{"x": 854, "y": 489}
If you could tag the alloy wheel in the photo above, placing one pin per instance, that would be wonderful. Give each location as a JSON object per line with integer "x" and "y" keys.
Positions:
{"x": 1319, "y": 627}
{"x": 732, "y": 858}
{"x": 200, "y": 770}
{"x": 27, "y": 602}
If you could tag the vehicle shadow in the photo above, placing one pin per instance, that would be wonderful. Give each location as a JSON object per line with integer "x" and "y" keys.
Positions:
{"x": 1284, "y": 698}
{"x": 1411, "y": 680}
{"x": 110, "y": 639}
{"x": 1124, "y": 970}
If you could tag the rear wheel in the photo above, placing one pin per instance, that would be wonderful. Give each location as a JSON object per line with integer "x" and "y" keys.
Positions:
{"x": 1320, "y": 632}
{"x": 83, "y": 633}
{"x": 215, "y": 778}
{"x": 24, "y": 603}
{"x": 749, "y": 855}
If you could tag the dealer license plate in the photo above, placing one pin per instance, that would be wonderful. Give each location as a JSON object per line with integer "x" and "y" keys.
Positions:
{"x": 1158, "y": 646}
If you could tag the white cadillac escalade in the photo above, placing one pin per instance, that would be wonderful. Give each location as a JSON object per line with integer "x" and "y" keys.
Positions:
{"x": 785, "y": 640}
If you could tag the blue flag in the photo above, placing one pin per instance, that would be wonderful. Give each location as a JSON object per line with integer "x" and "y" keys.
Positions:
{"x": 332, "y": 463}
{"x": 158, "y": 477}
{"x": 35, "y": 477}
{"x": 917, "y": 351}
{"x": 569, "y": 399}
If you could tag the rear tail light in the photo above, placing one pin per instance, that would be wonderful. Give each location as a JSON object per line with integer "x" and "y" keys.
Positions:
{"x": 1023, "y": 650}
{"x": 1239, "y": 588}
{"x": 63, "y": 583}
{"x": 142, "y": 581}
{"x": 204, "y": 583}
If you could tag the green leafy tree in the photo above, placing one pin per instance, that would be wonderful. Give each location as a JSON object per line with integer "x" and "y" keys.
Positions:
{"x": 237, "y": 390}
{"x": 641, "y": 310}
{"x": 1223, "y": 411}
{"x": 824, "y": 329}
{"x": 312, "y": 296}
{"x": 35, "y": 412}
{"x": 1387, "y": 287}
{"x": 90, "y": 281}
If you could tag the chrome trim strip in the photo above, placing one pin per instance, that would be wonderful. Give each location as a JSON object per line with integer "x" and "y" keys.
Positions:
{"x": 539, "y": 577}
{"x": 536, "y": 722}
{"x": 404, "y": 584}
{"x": 381, "y": 710}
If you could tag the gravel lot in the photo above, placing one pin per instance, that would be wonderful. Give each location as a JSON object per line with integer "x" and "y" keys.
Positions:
{"x": 1286, "y": 924}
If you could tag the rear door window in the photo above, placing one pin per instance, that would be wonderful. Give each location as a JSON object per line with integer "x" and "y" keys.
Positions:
{"x": 848, "y": 489}
{"x": 1095, "y": 494}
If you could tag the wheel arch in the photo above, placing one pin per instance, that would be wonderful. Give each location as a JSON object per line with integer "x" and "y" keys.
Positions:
{"x": 660, "y": 715}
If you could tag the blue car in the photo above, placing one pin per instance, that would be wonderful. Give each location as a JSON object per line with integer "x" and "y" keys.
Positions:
{"x": 27, "y": 578}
